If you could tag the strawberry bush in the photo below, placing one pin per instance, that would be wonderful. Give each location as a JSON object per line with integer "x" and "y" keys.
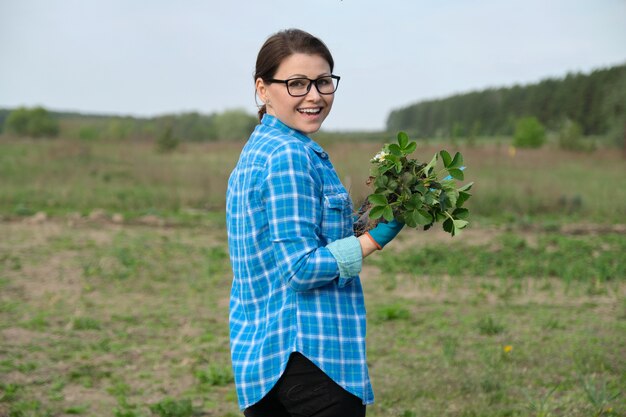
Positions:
{"x": 416, "y": 193}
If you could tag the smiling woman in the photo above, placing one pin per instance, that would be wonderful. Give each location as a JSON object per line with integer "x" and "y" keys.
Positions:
{"x": 297, "y": 314}
{"x": 287, "y": 66}
{"x": 289, "y": 96}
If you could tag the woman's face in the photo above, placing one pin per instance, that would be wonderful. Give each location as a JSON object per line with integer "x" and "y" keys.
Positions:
{"x": 305, "y": 113}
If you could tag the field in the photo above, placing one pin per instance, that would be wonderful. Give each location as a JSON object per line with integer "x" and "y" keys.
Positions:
{"x": 114, "y": 285}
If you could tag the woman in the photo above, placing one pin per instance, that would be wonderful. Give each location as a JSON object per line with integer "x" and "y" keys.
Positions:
{"x": 297, "y": 317}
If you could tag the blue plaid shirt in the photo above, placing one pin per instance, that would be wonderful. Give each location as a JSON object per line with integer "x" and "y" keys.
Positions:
{"x": 284, "y": 204}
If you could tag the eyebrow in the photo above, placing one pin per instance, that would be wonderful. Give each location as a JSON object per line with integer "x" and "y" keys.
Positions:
{"x": 325, "y": 74}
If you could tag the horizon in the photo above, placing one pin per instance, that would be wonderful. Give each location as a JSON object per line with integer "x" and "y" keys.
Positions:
{"x": 154, "y": 116}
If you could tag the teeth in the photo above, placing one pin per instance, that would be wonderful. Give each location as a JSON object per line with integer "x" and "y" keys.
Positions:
{"x": 310, "y": 111}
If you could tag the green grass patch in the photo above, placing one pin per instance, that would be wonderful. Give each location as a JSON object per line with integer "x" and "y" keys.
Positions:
{"x": 170, "y": 407}
{"x": 593, "y": 259}
{"x": 215, "y": 375}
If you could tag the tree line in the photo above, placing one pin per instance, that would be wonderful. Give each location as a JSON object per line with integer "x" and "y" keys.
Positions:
{"x": 38, "y": 122}
{"x": 595, "y": 101}
{"x": 594, "y": 104}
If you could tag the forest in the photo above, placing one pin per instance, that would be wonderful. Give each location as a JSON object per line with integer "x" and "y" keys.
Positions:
{"x": 595, "y": 101}
{"x": 233, "y": 124}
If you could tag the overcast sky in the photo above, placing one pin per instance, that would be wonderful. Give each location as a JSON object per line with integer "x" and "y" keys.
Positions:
{"x": 146, "y": 58}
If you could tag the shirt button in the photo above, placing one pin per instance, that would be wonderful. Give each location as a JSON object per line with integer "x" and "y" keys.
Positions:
{"x": 324, "y": 155}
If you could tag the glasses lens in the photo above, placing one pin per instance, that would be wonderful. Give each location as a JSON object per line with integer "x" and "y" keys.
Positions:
{"x": 326, "y": 85}
{"x": 298, "y": 86}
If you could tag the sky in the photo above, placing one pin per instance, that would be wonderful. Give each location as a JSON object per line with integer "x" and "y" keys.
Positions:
{"x": 152, "y": 57}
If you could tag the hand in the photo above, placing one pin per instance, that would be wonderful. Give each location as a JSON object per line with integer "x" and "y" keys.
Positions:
{"x": 384, "y": 233}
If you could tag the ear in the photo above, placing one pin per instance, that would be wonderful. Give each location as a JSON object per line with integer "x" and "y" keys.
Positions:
{"x": 261, "y": 89}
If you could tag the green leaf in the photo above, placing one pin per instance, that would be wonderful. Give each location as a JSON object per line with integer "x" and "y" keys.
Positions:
{"x": 457, "y": 174}
{"x": 448, "y": 185}
{"x": 407, "y": 179}
{"x": 388, "y": 213}
{"x": 410, "y": 148}
{"x": 419, "y": 187}
{"x": 446, "y": 158}
{"x": 415, "y": 202}
{"x": 431, "y": 164}
{"x": 466, "y": 187}
{"x": 387, "y": 167}
{"x": 403, "y": 139}
{"x": 448, "y": 226}
{"x": 378, "y": 199}
{"x": 460, "y": 224}
{"x": 457, "y": 162}
{"x": 422, "y": 217}
{"x": 461, "y": 213}
{"x": 452, "y": 197}
{"x": 399, "y": 167}
{"x": 463, "y": 197}
{"x": 429, "y": 199}
{"x": 381, "y": 181}
{"x": 408, "y": 220}
{"x": 377, "y": 212}
{"x": 395, "y": 149}
{"x": 444, "y": 201}
{"x": 440, "y": 217}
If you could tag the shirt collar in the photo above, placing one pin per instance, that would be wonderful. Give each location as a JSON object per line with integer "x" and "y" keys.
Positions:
{"x": 273, "y": 121}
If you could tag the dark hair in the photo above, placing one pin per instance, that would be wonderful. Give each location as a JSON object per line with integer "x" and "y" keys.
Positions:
{"x": 282, "y": 45}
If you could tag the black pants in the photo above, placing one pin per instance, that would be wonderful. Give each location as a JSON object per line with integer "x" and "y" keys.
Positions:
{"x": 305, "y": 391}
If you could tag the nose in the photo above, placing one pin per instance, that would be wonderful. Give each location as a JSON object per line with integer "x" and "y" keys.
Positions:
{"x": 313, "y": 94}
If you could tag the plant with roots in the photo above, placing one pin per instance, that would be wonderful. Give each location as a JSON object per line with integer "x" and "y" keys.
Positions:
{"x": 414, "y": 192}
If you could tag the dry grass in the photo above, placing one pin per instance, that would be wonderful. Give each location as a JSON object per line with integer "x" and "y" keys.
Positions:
{"x": 65, "y": 176}
{"x": 97, "y": 317}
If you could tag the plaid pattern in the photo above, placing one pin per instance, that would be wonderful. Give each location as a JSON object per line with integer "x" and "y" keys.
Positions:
{"x": 284, "y": 204}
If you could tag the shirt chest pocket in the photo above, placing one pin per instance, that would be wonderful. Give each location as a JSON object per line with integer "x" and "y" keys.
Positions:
{"x": 337, "y": 217}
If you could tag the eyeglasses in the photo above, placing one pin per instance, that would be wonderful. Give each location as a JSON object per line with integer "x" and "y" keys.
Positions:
{"x": 299, "y": 87}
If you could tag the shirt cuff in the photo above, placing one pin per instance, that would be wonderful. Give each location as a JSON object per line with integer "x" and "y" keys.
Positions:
{"x": 349, "y": 258}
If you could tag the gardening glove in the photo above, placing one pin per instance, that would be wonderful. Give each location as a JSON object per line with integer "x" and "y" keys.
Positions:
{"x": 384, "y": 233}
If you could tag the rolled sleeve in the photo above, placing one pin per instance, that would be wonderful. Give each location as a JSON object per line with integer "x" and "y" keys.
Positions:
{"x": 349, "y": 258}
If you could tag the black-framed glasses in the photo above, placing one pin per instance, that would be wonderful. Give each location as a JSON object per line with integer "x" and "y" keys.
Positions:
{"x": 298, "y": 87}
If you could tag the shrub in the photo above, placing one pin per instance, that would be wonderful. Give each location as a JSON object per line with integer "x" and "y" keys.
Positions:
{"x": 167, "y": 142}
{"x": 529, "y": 133}
{"x": 617, "y": 134}
{"x": 36, "y": 122}
{"x": 571, "y": 137}
{"x": 88, "y": 133}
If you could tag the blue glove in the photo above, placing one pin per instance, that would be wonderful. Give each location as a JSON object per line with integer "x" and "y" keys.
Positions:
{"x": 384, "y": 233}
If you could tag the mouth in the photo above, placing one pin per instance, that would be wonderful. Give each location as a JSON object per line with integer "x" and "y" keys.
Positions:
{"x": 310, "y": 111}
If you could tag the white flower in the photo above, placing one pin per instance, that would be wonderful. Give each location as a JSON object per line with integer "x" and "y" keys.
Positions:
{"x": 379, "y": 156}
